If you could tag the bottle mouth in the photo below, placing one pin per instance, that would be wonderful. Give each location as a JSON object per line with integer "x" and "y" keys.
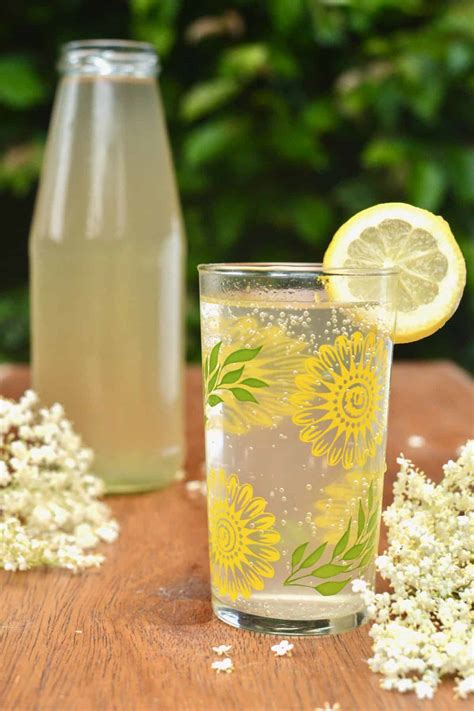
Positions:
{"x": 109, "y": 58}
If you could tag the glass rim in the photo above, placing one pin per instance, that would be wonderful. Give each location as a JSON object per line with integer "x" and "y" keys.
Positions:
{"x": 286, "y": 269}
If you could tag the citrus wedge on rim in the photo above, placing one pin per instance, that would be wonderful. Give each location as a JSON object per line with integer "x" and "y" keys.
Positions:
{"x": 421, "y": 246}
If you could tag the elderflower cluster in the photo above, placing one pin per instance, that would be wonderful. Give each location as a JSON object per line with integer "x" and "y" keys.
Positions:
{"x": 49, "y": 508}
{"x": 422, "y": 631}
{"x": 282, "y": 649}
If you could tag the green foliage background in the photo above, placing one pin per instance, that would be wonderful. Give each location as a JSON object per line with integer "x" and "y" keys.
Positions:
{"x": 285, "y": 116}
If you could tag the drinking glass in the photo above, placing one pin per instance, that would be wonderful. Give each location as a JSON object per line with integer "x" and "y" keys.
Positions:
{"x": 296, "y": 369}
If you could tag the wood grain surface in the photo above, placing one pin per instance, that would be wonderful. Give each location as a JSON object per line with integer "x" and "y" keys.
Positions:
{"x": 137, "y": 634}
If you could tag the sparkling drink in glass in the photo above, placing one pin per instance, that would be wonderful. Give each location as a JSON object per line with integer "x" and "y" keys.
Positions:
{"x": 296, "y": 371}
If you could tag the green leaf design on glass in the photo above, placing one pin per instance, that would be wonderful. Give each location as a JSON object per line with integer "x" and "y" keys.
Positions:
{"x": 219, "y": 379}
{"x": 370, "y": 497}
{"x": 314, "y": 557}
{"x": 213, "y": 380}
{"x": 242, "y": 355}
{"x": 213, "y": 358}
{"x": 340, "y": 546}
{"x": 214, "y": 400}
{"x": 243, "y": 395}
{"x": 298, "y": 553}
{"x": 360, "y": 519}
{"x": 232, "y": 376}
{"x": 354, "y": 551}
{"x": 329, "y": 570}
{"x": 332, "y": 588}
{"x": 366, "y": 558}
{"x": 255, "y": 383}
{"x": 372, "y": 521}
{"x": 371, "y": 540}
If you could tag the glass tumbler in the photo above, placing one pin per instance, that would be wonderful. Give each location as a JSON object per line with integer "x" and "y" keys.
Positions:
{"x": 296, "y": 370}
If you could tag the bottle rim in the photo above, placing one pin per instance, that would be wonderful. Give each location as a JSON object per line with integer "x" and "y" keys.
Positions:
{"x": 109, "y": 58}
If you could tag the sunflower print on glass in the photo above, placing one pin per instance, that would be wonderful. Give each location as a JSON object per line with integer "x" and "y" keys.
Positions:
{"x": 242, "y": 537}
{"x": 342, "y": 399}
{"x": 260, "y": 396}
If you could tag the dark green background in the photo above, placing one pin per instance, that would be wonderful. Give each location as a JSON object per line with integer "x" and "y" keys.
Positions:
{"x": 285, "y": 116}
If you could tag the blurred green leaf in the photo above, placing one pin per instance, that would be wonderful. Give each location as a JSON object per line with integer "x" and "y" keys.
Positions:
{"x": 355, "y": 194}
{"x": 426, "y": 184}
{"x": 229, "y": 218}
{"x": 14, "y": 325}
{"x": 208, "y": 96}
{"x": 20, "y": 83}
{"x": 20, "y": 165}
{"x": 330, "y": 22}
{"x": 287, "y": 14}
{"x": 210, "y": 141}
{"x": 291, "y": 142}
{"x": 312, "y": 218}
{"x": 427, "y": 99}
{"x": 456, "y": 18}
{"x": 155, "y": 22}
{"x": 385, "y": 152}
{"x": 283, "y": 63}
{"x": 320, "y": 116}
{"x": 245, "y": 61}
{"x": 461, "y": 169}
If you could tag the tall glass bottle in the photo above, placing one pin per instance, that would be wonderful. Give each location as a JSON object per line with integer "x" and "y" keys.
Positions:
{"x": 107, "y": 266}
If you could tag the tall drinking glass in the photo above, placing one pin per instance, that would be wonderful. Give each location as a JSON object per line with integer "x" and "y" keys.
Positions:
{"x": 296, "y": 367}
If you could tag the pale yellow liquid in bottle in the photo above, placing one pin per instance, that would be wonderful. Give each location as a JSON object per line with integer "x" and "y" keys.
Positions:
{"x": 107, "y": 254}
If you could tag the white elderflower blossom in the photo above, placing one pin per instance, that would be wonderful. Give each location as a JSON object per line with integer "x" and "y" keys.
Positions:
{"x": 196, "y": 486}
{"x": 225, "y": 665}
{"x": 5, "y": 477}
{"x": 222, "y": 649}
{"x": 422, "y": 631}
{"x": 283, "y": 648}
{"x": 49, "y": 508}
{"x": 465, "y": 687}
{"x": 359, "y": 586}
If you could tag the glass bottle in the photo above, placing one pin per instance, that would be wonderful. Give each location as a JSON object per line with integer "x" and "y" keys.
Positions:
{"x": 107, "y": 252}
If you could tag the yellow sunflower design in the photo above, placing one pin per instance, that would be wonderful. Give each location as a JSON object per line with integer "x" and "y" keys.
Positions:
{"x": 250, "y": 376}
{"x": 341, "y": 399}
{"x": 242, "y": 537}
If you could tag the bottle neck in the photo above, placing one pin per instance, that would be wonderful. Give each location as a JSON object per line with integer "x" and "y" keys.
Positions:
{"x": 109, "y": 58}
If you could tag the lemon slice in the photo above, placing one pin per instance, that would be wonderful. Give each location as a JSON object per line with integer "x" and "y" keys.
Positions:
{"x": 432, "y": 271}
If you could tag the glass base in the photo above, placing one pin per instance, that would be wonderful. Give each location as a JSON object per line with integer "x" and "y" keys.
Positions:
{"x": 298, "y": 628}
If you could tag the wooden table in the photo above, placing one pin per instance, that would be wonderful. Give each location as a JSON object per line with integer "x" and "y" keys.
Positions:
{"x": 137, "y": 634}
